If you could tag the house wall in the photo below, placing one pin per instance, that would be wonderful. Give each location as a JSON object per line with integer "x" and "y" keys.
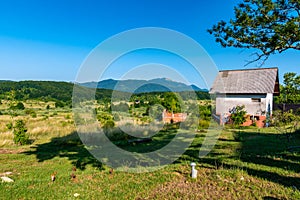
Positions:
{"x": 252, "y": 106}
{"x": 269, "y": 102}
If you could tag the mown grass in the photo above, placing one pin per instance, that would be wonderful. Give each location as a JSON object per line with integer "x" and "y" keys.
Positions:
{"x": 244, "y": 164}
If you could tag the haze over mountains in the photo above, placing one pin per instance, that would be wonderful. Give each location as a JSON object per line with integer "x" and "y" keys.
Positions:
{"x": 143, "y": 86}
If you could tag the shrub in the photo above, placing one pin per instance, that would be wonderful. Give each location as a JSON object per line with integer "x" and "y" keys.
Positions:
{"x": 59, "y": 104}
{"x": 31, "y": 112}
{"x": 9, "y": 126}
{"x": 203, "y": 124}
{"x": 20, "y": 136}
{"x": 108, "y": 124}
{"x": 238, "y": 115}
{"x": 19, "y": 106}
{"x": 67, "y": 117}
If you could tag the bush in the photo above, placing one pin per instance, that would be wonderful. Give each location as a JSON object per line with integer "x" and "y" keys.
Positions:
{"x": 238, "y": 115}
{"x": 19, "y": 106}
{"x": 9, "y": 126}
{"x": 203, "y": 124}
{"x": 108, "y": 124}
{"x": 30, "y": 112}
{"x": 59, "y": 104}
{"x": 20, "y": 136}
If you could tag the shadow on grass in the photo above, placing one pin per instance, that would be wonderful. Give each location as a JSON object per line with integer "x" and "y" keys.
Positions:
{"x": 267, "y": 151}
{"x": 264, "y": 174}
{"x": 69, "y": 146}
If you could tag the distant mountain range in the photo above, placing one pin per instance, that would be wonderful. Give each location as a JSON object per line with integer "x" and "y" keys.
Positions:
{"x": 143, "y": 86}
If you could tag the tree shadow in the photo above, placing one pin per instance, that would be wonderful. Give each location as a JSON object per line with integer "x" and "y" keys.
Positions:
{"x": 266, "y": 150}
{"x": 264, "y": 174}
{"x": 69, "y": 146}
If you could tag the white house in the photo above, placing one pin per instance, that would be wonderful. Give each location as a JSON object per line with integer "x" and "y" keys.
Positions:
{"x": 253, "y": 88}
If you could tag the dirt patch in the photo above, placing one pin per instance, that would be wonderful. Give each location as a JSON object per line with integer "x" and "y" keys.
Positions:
{"x": 11, "y": 151}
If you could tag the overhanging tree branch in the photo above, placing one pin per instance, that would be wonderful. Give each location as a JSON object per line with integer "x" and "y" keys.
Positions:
{"x": 268, "y": 26}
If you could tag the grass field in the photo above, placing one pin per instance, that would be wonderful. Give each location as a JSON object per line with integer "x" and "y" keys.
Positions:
{"x": 250, "y": 163}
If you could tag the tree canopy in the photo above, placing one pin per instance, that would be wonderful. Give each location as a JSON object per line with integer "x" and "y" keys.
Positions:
{"x": 271, "y": 26}
{"x": 290, "y": 91}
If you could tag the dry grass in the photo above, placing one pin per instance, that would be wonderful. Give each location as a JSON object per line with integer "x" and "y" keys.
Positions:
{"x": 48, "y": 123}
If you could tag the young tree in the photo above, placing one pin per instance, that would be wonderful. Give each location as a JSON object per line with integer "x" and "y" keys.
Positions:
{"x": 271, "y": 26}
{"x": 286, "y": 122}
{"x": 19, "y": 130}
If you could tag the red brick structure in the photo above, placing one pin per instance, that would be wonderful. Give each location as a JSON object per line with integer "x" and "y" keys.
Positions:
{"x": 173, "y": 117}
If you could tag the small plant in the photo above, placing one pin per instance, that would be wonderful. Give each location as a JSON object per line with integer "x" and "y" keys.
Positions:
{"x": 20, "y": 136}
{"x": 9, "y": 126}
{"x": 67, "y": 117}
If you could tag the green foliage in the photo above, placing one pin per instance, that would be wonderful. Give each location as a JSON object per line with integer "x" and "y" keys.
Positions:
{"x": 18, "y": 106}
{"x": 238, "y": 115}
{"x": 172, "y": 102}
{"x": 105, "y": 119}
{"x": 271, "y": 26}
{"x": 59, "y": 104}
{"x": 203, "y": 124}
{"x": 31, "y": 112}
{"x": 290, "y": 91}
{"x": 108, "y": 124}
{"x": 205, "y": 112}
{"x": 20, "y": 136}
{"x": 9, "y": 126}
{"x": 286, "y": 122}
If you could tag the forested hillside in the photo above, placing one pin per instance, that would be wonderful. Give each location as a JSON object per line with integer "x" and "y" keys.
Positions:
{"x": 62, "y": 91}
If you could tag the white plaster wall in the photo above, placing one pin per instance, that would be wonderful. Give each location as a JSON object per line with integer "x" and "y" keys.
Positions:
{"x": 269, "y": 101}
{"x": 225, "y": 103}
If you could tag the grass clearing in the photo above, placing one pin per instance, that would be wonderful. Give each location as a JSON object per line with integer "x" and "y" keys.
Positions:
{"x": 244, "y": 164}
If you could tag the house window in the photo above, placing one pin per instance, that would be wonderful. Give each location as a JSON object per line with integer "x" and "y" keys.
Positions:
{"x": 256, "y": 99}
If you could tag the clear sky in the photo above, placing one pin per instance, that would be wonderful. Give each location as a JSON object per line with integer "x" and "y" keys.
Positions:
{"x": 49, "y": 40}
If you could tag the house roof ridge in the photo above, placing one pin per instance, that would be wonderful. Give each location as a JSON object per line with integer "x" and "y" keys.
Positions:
{"x": 252, "y": 69}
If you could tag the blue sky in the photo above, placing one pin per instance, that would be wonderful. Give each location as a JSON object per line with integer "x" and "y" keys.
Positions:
{"x": 49, "y": 40}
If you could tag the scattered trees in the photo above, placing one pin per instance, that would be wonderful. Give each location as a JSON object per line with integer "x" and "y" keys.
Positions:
{"x": 290, "y": 91}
